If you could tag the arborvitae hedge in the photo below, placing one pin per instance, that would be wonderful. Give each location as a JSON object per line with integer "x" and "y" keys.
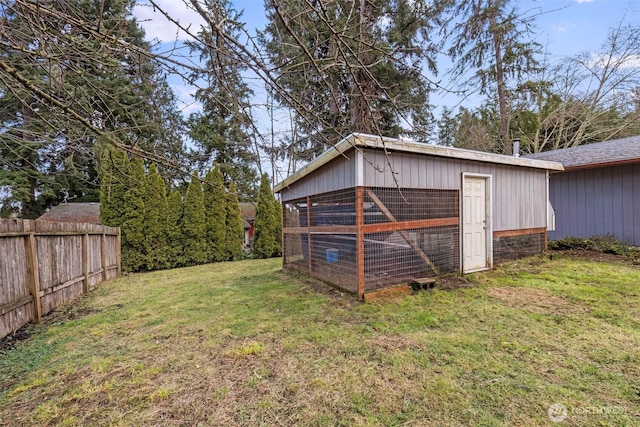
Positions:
{"x": 235, "y": 229}
{"x": 155, "y": 221}
{"x": 114, "y": 182}
{"x": 267, "y": 237}
{"x": 175, "y": 236}
{"x": 194, "y": 224}
{"x": 164, "y": 232}
{"x": 132, "y": 228}
{"x": 215, "y": 204}
{"x": 277, "y": 210}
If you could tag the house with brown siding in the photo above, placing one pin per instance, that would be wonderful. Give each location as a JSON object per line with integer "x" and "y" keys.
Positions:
{"x": 374, "y": 213}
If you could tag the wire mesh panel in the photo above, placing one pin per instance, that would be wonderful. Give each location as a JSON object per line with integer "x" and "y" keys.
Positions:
{"x": 320, "y": 237}
{"x": 407, "y": 234}
{"x": 399, "y": 254}
{"x": 407, "y": 204}
{"x": 513, "y": 247}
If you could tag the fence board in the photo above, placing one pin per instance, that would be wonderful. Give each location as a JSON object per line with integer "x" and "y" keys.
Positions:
{"x": 45, "y": 264}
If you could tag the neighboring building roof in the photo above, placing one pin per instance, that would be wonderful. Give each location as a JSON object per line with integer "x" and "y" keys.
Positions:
{"x": 73, "y": 212}
{"x": 392, "y": 144}
{"x": 606, "y": 153}
{"x": 248, "y": 210}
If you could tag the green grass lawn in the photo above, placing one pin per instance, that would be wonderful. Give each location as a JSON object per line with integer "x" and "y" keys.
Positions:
{"x": 242, "y": 344}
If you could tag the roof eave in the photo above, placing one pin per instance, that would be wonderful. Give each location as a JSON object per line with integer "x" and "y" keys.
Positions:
{"x": 602, "y": 164}
{"x": 337, "y": 150}
{"x": 370, "y": 141}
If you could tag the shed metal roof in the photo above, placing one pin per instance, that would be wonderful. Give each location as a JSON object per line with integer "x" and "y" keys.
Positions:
{"x": 598, "y": 154}
{"x": 359, "y": 140}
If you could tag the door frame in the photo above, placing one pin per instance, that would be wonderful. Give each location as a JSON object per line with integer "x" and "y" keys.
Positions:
{"x": 488, "y": 218}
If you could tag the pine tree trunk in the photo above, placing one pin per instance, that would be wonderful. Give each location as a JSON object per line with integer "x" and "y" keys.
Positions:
{"x": 502, "y": 92}
{"x": 361, "y": 120}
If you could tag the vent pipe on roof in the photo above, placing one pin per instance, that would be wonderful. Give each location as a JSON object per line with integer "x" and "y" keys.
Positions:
{"x": 516, "y": 148}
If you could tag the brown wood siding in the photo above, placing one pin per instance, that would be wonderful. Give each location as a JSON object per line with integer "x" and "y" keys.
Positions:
{"x": 338, "y": 174}
{"x": 597, "y": 202}
{"x": 518, "y": 193}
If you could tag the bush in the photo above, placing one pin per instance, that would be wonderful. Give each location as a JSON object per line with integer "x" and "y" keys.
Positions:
{"x": 607, "y": 245}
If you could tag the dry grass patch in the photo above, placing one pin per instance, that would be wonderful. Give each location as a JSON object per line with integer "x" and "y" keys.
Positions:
{"x": 535, "y": 300}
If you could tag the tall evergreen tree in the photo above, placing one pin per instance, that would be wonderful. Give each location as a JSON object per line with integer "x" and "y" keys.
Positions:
{"x": 155, "y": 221}
{"x": 491, "y": 38}
{"x": 223, "y": 130}
{"x": 175, "y": 234}
{"x": 277, "y": 210}
{"x": 215, "y": 204}
{"x": 194, "y": 224}
{"x": 133, "y": 228}
{"x": 351, "y": 66}
{"x": 234, "y": 227}
{"x": 267, "y": 237}
{"x": 64, "y": 82}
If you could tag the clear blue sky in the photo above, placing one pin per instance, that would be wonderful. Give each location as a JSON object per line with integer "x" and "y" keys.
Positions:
{"x": 580, "y": 25}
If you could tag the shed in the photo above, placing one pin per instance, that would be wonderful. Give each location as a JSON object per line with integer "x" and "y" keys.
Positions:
{"x": 598, "y": 193}
{"x": 374, "y": 213}
{"x": 73, "y": 212}
{"x": 248, "y": 214}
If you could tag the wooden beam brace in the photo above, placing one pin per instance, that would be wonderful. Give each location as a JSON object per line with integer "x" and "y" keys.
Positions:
{"x": 328, "y": 229}
{"x": 519, "y": 232}
{"x": 374, "y": 228}
{"x": 408, "y": 225}
{"x": 403, "y": 233}
{"x": 17, "y": 304}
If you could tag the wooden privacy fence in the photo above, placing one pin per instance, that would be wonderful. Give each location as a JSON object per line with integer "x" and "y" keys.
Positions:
{"x": 45, "y": 264}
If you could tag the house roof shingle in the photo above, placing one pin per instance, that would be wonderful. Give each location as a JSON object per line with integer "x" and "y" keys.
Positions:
{"x": 248, "y": 210}
{"x": 74, "y": 212}
{"x": 615, "y": 151}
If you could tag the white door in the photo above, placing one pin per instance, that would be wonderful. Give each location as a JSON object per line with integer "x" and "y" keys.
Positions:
{"x": 474, "y": 224}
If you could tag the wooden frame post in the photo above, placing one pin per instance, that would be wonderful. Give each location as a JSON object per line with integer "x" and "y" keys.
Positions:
{"x": 34, "y": 275}
{"x": 85, "y": 263}
{"x": 282, "y": 241}
{"x": 360, "y": 240}
{"x": 103, "y": 255}
{"x": 118, "y": 256}
{"x": 309, "y": 246}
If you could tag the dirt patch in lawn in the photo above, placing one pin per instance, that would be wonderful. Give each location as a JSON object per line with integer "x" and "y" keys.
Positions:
{"x": 393, "y": 342}
{"x": 58, "y": 315}
{"x": 535, "y": 300}
{"x": 8, "y": 342}
{"x": 590, "y": 255}
{"x": 454, "y": 282}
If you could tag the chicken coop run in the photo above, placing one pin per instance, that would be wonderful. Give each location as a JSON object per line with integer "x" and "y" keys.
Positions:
{"x": 375, "y": 213}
